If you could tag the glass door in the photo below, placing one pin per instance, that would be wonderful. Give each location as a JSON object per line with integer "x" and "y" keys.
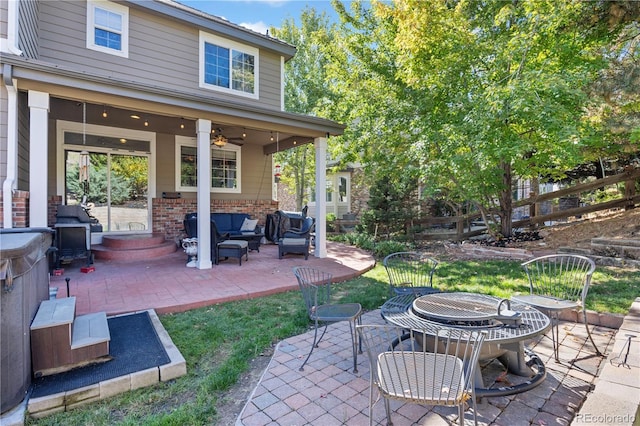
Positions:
{"x": 112, "y": 186}
{"x": 128, "y": 186}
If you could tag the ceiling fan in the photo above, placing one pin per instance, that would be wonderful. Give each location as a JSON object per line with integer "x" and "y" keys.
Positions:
{"x": 220, "y": 140}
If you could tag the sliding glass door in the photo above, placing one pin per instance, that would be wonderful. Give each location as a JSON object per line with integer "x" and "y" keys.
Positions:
{"x": 111, "y": 184}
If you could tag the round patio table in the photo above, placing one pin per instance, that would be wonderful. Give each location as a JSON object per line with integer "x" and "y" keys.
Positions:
{"x": 507, "y": 323}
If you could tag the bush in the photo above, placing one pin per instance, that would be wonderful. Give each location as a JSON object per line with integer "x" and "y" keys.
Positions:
{"x": 380, "y": 249}
{"x": 385, "y": 248}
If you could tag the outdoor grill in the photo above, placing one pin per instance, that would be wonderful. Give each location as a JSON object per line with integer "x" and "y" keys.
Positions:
{"x": 507, "y": 324}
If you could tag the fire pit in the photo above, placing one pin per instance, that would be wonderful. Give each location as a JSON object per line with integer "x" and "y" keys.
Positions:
{"x": 508, "y": 324}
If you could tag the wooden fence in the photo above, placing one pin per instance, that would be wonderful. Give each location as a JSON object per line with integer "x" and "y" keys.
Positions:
{"x": 462, "y": 225}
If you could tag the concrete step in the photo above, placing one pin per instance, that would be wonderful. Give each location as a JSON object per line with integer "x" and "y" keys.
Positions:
{"x": 132, "y": 241}
{"x": 123, "y": 254}
{"x": 89, "y": 330}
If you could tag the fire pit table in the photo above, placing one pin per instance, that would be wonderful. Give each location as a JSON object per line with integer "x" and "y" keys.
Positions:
{"x": 507, "y": 323}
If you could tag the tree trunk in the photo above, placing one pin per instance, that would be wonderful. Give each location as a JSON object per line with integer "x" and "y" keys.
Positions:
{"x": 506, "y": 201}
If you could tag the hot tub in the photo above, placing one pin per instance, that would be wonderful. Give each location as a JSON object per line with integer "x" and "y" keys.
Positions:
{"x": 24, "y": 284}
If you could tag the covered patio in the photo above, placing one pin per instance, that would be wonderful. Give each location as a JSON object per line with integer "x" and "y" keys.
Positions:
{"x": 167, "y": 285}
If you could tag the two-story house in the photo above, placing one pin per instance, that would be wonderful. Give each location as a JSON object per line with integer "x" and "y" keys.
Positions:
{"x": 120, "y": 103}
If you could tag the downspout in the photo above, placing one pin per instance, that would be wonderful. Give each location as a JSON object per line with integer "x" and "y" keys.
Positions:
{"x": 9, "y": 184}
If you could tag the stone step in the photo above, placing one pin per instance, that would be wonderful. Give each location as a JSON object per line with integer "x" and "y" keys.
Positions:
{"x": 90, "y": 329}
{"x": 622, "y": 242}
{"x": 624, "y": 248}
{"x": 132, "y": 241}
{"x": 122, "y": 254}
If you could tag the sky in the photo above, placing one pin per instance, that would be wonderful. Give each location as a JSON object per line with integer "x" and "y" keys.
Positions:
{"x": 259, "y": 15}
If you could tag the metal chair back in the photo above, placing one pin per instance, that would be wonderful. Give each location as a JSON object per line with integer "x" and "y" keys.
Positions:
{"x": 428, "y": 367}
{"x": 315, "y": 286}
{"x": 410, "y": 272}
{"x": 562, "y": 276}
{"x": 559, "y": 282}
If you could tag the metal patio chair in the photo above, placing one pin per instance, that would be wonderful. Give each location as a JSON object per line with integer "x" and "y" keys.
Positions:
{"x": 410, "y": 273}
{"x": 316, "y": 292}
{"x": 416, "y": 367}
{"x": 557, "y": 283}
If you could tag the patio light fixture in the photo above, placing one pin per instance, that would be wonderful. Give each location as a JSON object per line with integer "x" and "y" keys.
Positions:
{"x": 219, "y": 139}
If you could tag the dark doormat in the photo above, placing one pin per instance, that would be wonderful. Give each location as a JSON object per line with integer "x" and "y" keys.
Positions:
{"x": 134, "y": 346}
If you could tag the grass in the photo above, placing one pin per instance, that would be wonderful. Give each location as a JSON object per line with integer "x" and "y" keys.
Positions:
{"x": 219, "y": 342}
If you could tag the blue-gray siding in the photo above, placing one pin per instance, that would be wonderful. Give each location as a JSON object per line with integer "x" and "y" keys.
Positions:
{"x": 162, "y": 52}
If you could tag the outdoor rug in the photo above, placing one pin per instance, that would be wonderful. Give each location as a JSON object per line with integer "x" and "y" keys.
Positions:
{"x": 134, "y": 346}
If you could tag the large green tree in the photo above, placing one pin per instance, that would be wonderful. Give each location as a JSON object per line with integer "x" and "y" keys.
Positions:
{"x": 470, "y": 94}
{"x": 307, "y": 89}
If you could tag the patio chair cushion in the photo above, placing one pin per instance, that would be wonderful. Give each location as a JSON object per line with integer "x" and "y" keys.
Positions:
{"x": 293, "y": 245}
{"x": 227, "y": 223}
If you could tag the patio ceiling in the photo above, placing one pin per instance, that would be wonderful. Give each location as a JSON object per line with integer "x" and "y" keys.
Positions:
{"x": 270, "y": 140}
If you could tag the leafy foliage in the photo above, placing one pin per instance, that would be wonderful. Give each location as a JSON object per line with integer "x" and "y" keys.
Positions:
{"x": 472, "y": 94}
{"x": 391, "y": 204}
{"x": 307, "y": 89}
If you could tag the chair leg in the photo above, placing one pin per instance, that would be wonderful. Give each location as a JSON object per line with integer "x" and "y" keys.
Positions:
{"x": 371, "y": 399}
{"x": 315, "y": 343}
{"x": 586, "y": 325}
{"x": 354, "y": 344}
{"x": 387, "y": 408}
{"x": 555, "y": 335}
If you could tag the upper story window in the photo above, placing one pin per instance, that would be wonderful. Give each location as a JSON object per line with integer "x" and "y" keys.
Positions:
{"x": 108, "y": 28}
{"x": 227, "y": 66}
{"x": 225, "y": 167}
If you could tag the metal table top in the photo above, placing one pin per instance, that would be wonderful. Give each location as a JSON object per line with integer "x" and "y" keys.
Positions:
{"x": 460, "y": 310}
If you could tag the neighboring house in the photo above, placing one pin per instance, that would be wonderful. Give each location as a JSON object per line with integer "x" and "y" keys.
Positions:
{"x": 120, "y": 101}
{"x": 346, "y": 193}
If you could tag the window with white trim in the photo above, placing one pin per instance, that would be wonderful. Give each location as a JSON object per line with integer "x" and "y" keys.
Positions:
{"x": 108, "y": 28}
{"x": 225, "y": 167}
{"x": 228, "y": 66}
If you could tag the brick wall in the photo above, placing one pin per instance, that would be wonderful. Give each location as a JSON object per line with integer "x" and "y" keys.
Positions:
{"x": 168, "y": 214}
{"x": 20, "y": 207}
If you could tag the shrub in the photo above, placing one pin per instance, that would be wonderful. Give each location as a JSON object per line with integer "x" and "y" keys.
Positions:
{"x": 385, "y": 248}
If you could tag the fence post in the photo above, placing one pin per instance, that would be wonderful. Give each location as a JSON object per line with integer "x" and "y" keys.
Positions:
{"x": 629, "y": 193}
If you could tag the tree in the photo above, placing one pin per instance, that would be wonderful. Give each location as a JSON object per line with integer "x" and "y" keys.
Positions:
{"x": 306, "y": 90}
{"x": 469, "y": 94}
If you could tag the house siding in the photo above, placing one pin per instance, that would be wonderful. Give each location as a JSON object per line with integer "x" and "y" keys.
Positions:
{"x": 28, "y": 28}
{"x": 162, "y": 52}
{"x": 23, "y": 141}
{"x": 3, "y": 18}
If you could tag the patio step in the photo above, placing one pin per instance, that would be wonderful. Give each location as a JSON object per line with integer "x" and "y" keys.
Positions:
{"x": 133, "y": 247}
{"x": 61, "y": 340}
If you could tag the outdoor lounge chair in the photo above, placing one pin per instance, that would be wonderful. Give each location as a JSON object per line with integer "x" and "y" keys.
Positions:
{"x": 415, "y": 367}
{"x": 557, "y": 283}
{"x": 315, "y": 286}
{"x": 297, "y": 240}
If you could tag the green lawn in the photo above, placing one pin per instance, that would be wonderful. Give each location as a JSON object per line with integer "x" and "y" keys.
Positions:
{"x": 219, "y": 342}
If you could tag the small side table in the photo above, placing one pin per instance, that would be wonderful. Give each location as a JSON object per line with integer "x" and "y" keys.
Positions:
{"x": 250, "y": 237}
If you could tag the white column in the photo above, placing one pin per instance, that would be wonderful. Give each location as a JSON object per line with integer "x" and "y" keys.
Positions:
{"x": 38, "y": 148}
{"x": 203, "y": 128}
{"x": 320, "y": 145}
